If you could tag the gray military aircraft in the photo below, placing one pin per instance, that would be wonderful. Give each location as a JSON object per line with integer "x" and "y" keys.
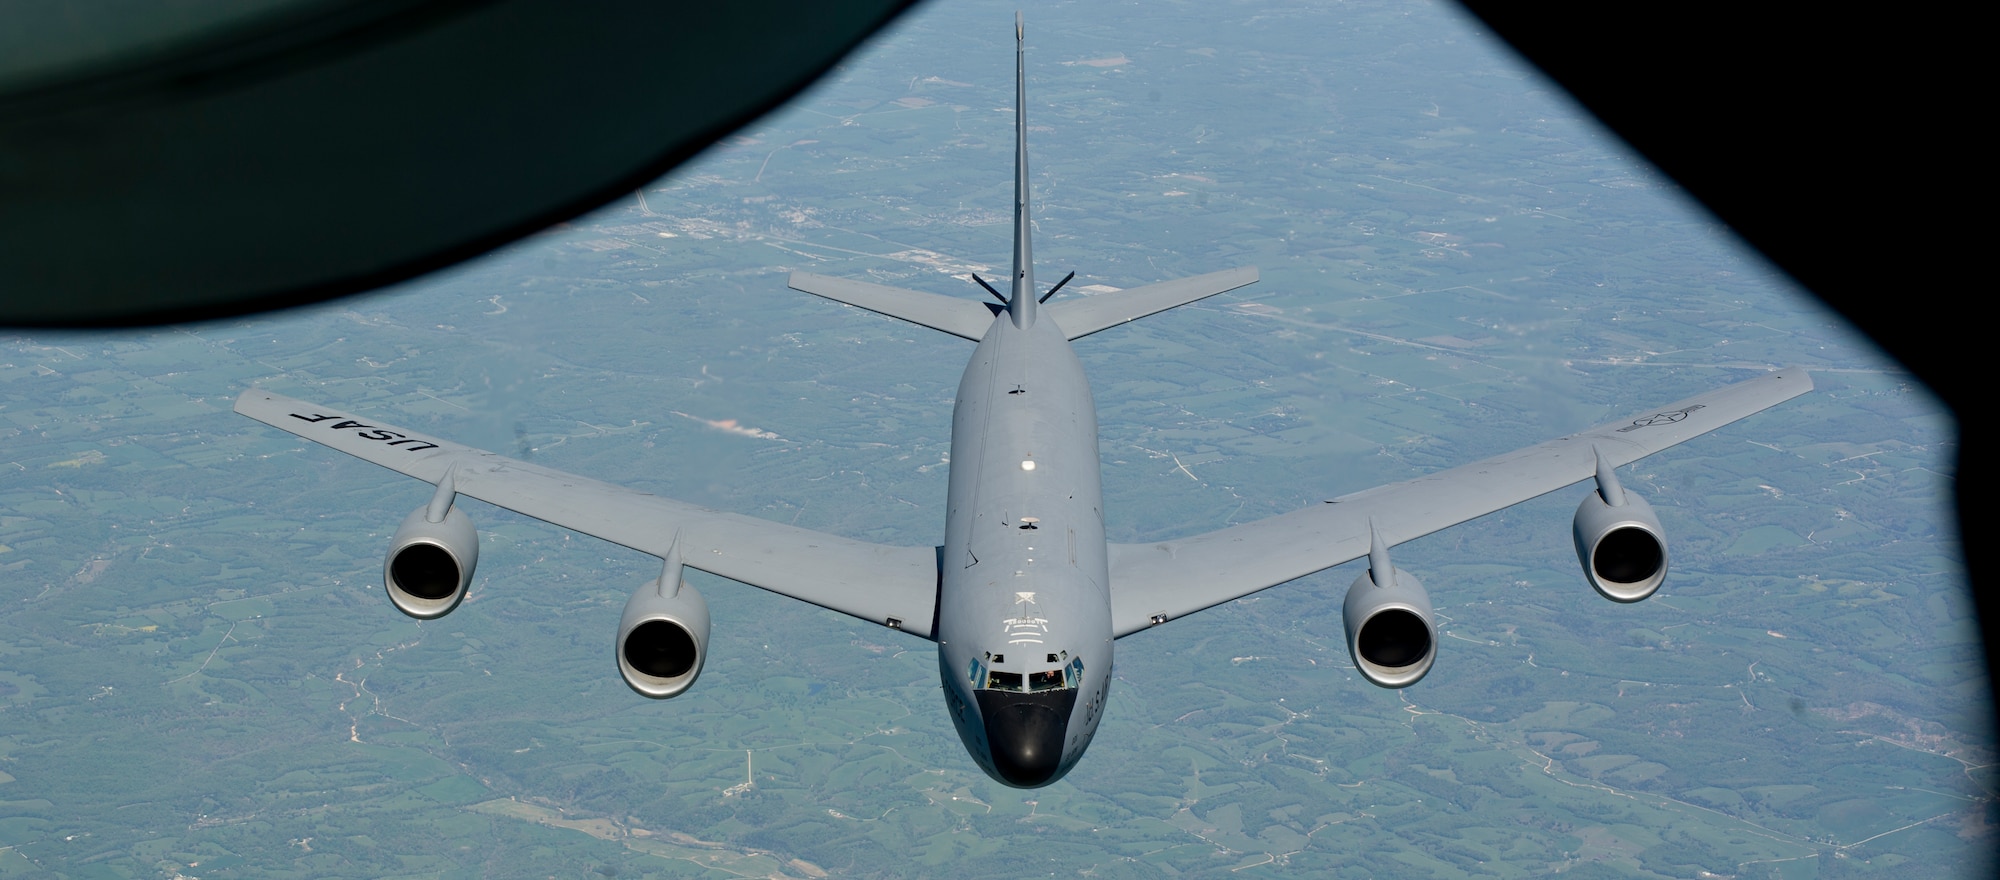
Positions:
{"x": 1025, "y": 597}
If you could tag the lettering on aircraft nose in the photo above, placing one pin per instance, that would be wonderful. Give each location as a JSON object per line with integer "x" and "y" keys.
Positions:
{"x": 368, "y": 432}
{"x": 1659, "y": 419}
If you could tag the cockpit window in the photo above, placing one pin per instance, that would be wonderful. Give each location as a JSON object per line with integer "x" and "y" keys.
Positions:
{"x": 1069, "y": 676}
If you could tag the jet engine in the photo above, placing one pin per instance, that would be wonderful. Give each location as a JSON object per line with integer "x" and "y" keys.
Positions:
{"x": 430, "y": 562}
{"x": 1390, "y": 634}
{"x": 663, "y": 636}
{"x": 1619, "y": 541}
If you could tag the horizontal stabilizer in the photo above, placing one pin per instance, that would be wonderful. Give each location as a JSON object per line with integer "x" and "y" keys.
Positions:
{"x": 965, "y": 318}
{"x": 1083, "y": 316}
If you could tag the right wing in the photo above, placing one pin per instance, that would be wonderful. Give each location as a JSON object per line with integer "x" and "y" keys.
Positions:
{"x": 1154, "y": 583}
{"x": 892, "y": 586}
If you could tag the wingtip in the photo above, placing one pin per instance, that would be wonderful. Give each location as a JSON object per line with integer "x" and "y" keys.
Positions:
{"x": 1018, "y": 30}
{"x": 1796, "y": 373}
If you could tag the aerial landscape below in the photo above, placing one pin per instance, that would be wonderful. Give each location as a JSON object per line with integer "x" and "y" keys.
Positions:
{"x": 204, "y": 679}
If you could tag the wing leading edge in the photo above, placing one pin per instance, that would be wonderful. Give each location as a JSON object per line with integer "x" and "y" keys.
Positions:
{"x": 1153, "y": 583}
{"x": 891, "y": 586}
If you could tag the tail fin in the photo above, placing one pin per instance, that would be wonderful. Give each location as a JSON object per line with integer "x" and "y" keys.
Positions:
{"x": 971, "y": 319}
{"x": 1021, "y": 305}
{"x": 1081, "y": 317}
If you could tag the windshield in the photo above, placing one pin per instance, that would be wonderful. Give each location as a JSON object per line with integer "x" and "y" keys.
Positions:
{"x": 1068, "y": 676}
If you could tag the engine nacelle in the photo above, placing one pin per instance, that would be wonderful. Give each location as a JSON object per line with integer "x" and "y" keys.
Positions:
{"x": 1390, "y": 634}
{"x": 1621, "y": 546}
{"x": 663, "y": 638}
{"x": 430, "y": 564}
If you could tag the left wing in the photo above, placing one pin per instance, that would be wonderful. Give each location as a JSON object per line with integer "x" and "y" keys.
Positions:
{"x": 892, "y": 586}
{"x": 1153, "y": 583}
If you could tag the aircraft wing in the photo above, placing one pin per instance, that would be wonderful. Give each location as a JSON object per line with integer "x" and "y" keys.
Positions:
{"x": 891, "y": 586}
{"x": 1153, "y": 583}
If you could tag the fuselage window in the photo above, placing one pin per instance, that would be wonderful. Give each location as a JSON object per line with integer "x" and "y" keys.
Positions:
{"x": 1076, "y": 673}
{"x": 976, "y": 672}
{"x": 1003, "y": 681}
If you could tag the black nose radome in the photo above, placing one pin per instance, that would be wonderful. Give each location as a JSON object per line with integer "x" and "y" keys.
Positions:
{"x": 1025, "y": 734}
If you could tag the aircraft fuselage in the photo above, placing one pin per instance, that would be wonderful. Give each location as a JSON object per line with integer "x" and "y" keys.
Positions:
{"x": 1024, "y": 608}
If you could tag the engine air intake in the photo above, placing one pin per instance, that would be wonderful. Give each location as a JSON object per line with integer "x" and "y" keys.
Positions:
{"x": 430, "y": 564}
{"x": 662, "y": 637}
{"x": 661, "y": 649}
{"x": 1621, "y": 548}
{"x": 1628, "y": 555}
{"x": 1387, "y": 615}
{"x": 426, "y": 571}
{"x": 1394, "y": 638}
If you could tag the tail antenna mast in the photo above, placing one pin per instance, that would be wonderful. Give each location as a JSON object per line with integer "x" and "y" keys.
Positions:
{"x": 989, "y": 288}
{"x": 1052, "y": 290}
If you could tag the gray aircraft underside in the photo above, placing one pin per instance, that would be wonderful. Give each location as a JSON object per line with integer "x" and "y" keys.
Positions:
{"x": 1025, "y": 597}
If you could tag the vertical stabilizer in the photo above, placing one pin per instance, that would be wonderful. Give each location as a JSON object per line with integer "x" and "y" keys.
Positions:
{"x": 1022, "y": 304}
